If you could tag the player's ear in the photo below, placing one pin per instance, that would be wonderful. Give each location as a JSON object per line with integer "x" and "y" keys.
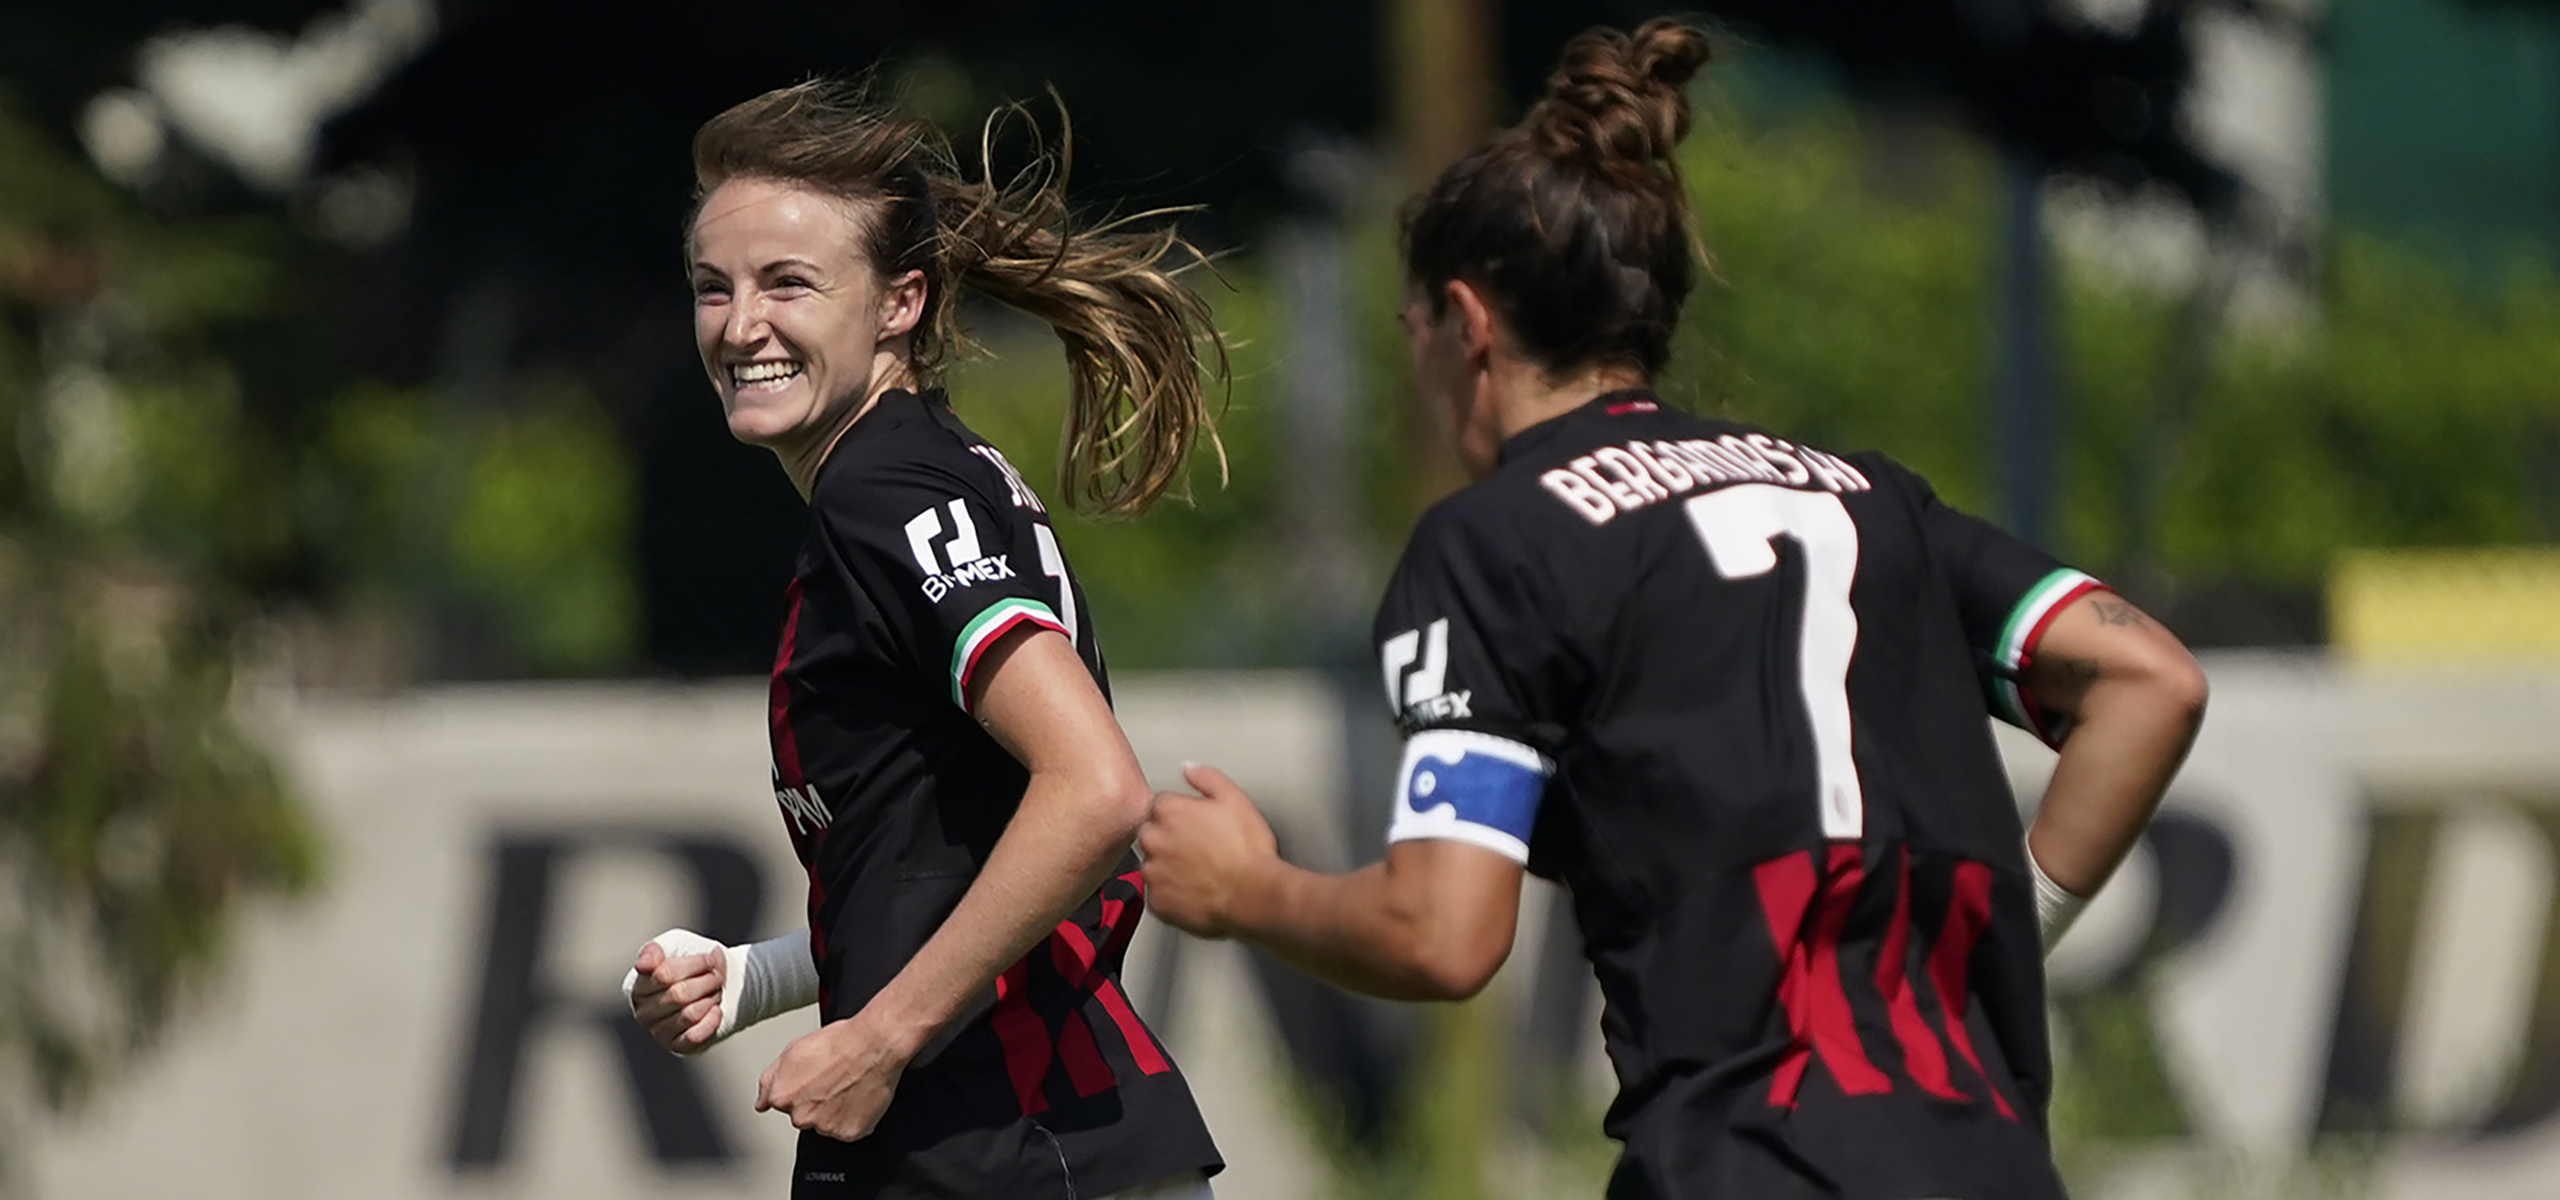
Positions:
{"x": 1476, "y": 323}
{"x": 901, "y": 305}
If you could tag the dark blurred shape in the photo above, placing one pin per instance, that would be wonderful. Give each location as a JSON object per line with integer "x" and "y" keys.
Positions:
{"x": 2071, "y": 96}
{"x": 57, "y": 56}
{"x": 2441, "y": 119}
{"x": 1441, "y": 90}
{"x": 2024, "y": 371}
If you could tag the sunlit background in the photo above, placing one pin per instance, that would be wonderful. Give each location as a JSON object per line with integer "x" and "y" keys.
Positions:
{"x": 381, "y": 598}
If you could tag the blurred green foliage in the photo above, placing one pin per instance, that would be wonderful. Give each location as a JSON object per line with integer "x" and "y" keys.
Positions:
{"x": 136, "y": 810}
{"x": 2402, "y": 408}
{"x": 509, "y": 517}
{"x": 160, "y": 525}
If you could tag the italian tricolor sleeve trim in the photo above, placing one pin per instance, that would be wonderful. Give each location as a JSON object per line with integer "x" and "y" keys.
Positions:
{"x": 2017, "y": 645}
{"x": 982, "y": 632}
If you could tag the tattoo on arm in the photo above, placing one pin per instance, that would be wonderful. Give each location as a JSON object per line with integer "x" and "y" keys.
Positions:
{"x": 2060, "y": 684}
{"x": 2073, "y": 673}
{"x": 2116, "y": 612}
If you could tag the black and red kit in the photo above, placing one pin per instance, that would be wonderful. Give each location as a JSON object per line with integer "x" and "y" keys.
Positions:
{"x": 1730, "y": 690}
{"x": 924, "y": 548}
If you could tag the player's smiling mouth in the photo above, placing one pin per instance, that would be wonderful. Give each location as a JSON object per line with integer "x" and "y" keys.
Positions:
{"x": 765, "y": 375}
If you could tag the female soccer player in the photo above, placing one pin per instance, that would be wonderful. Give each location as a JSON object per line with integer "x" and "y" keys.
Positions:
{"x": 1727, "y": 688}
{"x": 944, "y": 753}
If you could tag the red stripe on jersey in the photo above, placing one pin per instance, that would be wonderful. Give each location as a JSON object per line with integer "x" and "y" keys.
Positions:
{"x": 1120, "y": 918}
{"x": 1085, "y": 1068}
{"x": 1116, "y": 941}
{"x": 1968, "y": 910}
{"x": 2027, "y": 652}
{"x": 1074, "y": 954}
{"x": 1786, "y": 890}
{"x": 1819, "y": 1018}
{"x": 786, "y": 746}
{"x": 1835, "y": 1024}
{"x": 969, "y": 669}
{"x": 1921, "y": 1053}
{"x": 1142, "y": 1048}
{"x": 1024, "y": 1035}
{"x": 787, "y": 773}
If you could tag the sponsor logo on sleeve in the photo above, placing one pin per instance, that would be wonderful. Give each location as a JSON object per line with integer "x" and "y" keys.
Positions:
{"x": 952, "y": 560}
{"x": 1416, "y": 662}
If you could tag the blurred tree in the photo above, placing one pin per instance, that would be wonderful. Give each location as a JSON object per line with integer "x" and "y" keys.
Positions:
{"x": 180, "y": 503}
{"x": 2405, "y": 409}
{"x": 136, "y": 812}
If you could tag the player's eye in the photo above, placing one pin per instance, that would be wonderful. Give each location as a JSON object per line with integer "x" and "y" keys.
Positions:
{"x": 710, "y": 289}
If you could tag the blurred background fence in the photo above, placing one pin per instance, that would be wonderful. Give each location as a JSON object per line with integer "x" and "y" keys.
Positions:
{"x": 345, "y": 385}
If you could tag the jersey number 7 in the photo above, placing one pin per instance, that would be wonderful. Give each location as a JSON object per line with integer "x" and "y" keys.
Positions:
{"x": 1053, "y": 564}
{"x": 1739, "y": 526}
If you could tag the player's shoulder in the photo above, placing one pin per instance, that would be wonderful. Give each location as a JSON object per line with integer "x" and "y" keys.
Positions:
{"x": 906, "y": 452}
{"x": 1481, "y": 516}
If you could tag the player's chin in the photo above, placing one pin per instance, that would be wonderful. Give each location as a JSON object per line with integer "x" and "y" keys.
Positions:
{"x": 759, "y": 424}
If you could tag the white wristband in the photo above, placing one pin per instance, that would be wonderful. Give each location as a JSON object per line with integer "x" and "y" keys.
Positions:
{"x": 758, "y": 981}
{"x": 2056, "y": 907}
{"x": 779, "y": 976}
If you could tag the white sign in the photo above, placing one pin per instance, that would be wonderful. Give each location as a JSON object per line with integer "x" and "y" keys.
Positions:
{"x": 2339, "y": 934}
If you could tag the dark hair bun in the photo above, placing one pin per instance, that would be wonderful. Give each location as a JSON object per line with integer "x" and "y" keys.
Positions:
{"x": 1617, "y": 102}
{"x": 1574, "y": 223}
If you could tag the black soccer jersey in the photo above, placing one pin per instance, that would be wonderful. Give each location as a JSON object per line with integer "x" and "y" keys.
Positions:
{"x": 1730, "y": 690}
{"x": 924, "y": 547}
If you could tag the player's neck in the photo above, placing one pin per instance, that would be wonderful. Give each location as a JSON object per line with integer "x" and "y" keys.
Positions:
{"x": 801, "y": 461}
{"x": 1523, "y": 395}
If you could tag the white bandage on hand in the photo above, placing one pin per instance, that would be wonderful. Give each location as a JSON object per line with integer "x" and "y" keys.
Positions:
{"x": 2056, "y": 907}
{"x": 760, "y": 980}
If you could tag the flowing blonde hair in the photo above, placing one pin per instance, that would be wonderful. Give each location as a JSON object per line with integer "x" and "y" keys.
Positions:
{"x": 1140, "y": 345}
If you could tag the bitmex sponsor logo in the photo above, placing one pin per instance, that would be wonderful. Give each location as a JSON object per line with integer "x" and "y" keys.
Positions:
{"x": 969, "y": 574}
{"x": 1621, "y": 479}
{"x": 966, "y": 566}
{"x": 1417, "y": 671}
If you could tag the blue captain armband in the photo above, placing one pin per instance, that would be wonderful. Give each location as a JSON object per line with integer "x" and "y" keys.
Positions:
{"x": 1462, "y": 786}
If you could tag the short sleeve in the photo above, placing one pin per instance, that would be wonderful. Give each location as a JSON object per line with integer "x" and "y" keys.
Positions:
{"x": 1470, "y": 663}
{"x": 1463, "y": 642}
{"x": 949, "y": 561}
{"x": 2007, "y": 593}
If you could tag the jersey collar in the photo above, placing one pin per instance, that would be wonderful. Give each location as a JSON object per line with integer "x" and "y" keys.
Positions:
{"x": 896, "y": 406}
{"x": 1601, "y": 407}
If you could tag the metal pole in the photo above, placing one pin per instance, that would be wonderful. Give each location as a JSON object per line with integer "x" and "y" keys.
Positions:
{"x": 2024, "y": 389}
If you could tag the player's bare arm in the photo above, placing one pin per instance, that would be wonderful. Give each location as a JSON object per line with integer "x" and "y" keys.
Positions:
{"x": 1085, "y": 801}
{"x": 2128, "y": 700}
{"x": 1432, "y": 922}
